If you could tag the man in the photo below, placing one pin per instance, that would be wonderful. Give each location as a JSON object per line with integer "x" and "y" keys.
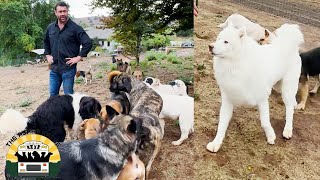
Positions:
{"x": 62, "y": 49}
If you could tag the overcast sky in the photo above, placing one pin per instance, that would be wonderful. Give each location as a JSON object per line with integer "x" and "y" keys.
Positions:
{"x": 79, "y": 8}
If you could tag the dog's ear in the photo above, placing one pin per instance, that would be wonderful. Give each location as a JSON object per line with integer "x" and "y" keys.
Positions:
{"x": 111, "y": 112}
{"x": 82, "y": 124}
{"x": 229, "y": 24}
{"x": 242, "y": 32}
{"x": 266, "y": 33}
{"x": 135, "y": 126}
{"x": 113, "y": 74}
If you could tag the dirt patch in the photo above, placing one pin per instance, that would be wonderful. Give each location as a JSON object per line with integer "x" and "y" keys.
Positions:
{"x": 245, "y": 153}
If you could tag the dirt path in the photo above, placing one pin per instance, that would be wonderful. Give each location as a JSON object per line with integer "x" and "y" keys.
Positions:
{"x": 245, "y": 153}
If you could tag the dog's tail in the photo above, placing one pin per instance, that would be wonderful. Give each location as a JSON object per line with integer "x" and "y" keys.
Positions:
{"x": 12, "y": 121}
{"x": 288, "y": 38}
{"x": 113, "y": 74}
{"x": 89, "y": 69}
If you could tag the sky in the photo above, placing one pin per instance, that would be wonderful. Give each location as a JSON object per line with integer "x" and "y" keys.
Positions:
{"x": 79, "y": 8}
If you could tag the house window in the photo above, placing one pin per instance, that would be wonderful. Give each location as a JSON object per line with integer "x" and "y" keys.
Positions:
{"x": 102, "y": 43}
{"x": 108, "y": 43}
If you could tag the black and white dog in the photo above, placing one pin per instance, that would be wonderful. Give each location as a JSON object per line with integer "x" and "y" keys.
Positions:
{"x": 51, "y": 115}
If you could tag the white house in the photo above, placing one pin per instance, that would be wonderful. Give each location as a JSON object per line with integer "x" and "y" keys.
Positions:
{"x": 103, "y": 35}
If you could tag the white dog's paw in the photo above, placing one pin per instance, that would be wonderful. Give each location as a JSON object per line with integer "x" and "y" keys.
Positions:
{"x": 300, "y": 106}
{"x": 176, "y": 143}
{"x": 213, "y": 146}
{"x": 271, "y": 137}
{"x": 287, "y": 133}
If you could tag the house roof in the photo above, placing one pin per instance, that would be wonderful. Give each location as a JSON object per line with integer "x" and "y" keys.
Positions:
{"x": 98, "y": 33}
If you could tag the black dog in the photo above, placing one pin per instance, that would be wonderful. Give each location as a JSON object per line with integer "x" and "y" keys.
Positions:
{"x": 51, "y": 115}
{"x": 310, "y": 67}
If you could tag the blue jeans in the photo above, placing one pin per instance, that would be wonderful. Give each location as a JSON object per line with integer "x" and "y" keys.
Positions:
{"x": 56, "y": 79}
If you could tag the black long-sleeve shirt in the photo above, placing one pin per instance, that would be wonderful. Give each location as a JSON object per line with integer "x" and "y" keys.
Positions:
{"x": 65, "y": 43}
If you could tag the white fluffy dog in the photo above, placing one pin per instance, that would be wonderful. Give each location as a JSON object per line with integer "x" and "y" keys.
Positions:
{"x": 245, "y": 73}
{"x": 177, "y": 87}
{"x": 182, "y": 108}
{"x": 254, "y": 30}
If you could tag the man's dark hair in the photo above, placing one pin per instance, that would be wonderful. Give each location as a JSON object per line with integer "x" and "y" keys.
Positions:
{"x": 61, "y": 3}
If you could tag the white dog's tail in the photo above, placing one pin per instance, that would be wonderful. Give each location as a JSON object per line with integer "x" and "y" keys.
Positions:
{"x": 288, "y": 38}
{"x": 12, "y": 121}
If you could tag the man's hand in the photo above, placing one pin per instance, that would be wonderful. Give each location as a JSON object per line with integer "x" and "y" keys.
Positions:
{"x": 74, "y": 60}
{"x": 49, "y": 59}
{"x": 195, "y": 9}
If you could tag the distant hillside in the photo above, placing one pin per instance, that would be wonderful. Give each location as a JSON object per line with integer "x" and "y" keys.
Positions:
{"x": 91, "y": 21}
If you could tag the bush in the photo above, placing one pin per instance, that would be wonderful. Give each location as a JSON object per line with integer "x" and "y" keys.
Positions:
{"x": 176, "y": 61}
{"x": 155, "y": 56}
{"x": 172, "y": 57}
{"x": 185, "y": 33}
{"x": 156, "y": 41}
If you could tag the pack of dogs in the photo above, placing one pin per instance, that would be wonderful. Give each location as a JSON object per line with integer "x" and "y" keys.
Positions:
{"x": 119, "y": 140}
{"x": 249, "y": 60}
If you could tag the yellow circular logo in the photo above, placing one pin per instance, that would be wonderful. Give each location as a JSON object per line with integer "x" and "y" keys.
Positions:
{"x": 32, "y": 155}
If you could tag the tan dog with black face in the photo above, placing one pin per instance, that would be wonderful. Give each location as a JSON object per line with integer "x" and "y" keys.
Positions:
{"x": 119, "y": 104}
{"x": 146, "y": 105}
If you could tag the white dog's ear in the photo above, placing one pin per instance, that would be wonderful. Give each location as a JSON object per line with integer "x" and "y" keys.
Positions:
{"x": 222, "y": 25}
{"x": 242, "y": 32}
{"x": 229, "y": 24}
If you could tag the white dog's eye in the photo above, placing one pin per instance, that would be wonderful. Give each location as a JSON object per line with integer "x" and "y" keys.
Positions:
{"x": 226, "y": 42}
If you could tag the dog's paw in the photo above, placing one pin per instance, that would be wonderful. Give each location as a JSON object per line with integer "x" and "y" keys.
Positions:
{"x": 287, "y": 133}
{"x": 176, "y": 143}
{"x": 213, "y": 146}
{"x": 271, "y": 137}
{"x": 300, "y": 106}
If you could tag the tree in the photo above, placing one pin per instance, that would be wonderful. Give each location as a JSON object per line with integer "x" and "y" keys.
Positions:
{"x": 134, "y": 19}
{"x": 22, "y": 25}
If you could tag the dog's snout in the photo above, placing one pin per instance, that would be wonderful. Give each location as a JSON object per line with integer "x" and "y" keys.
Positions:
{"x": 149, "y": 81}
{"x": 172, "y": 83}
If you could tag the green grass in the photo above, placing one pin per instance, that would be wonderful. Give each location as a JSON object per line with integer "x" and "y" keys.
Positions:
{"x": 25, "y": 103}
{"x": 78, "y": 80}
{"x": 99, "y": 75}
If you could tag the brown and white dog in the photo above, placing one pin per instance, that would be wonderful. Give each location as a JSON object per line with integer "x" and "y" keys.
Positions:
{"x": 146, "y": 104}
{"x": 123, "y": 66}
{"x": 86, "y": 76}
